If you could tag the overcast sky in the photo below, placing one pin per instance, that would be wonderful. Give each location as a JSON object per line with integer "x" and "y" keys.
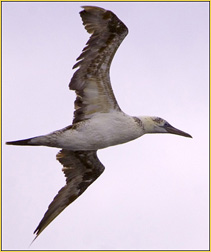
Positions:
{"x": 154, "y": 192}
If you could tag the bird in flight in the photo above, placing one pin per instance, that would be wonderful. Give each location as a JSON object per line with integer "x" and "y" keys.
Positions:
{"x": 98, "y": 120}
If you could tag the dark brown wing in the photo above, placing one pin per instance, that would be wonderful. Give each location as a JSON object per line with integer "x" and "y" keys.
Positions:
{"x": 91, "y": 81}
{"x": 81, "y": 169}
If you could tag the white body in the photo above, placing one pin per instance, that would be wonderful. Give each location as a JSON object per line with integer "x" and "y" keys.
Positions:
{"x": 101, "y": 131}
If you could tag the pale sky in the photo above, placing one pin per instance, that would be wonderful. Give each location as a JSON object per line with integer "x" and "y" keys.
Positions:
{"x": 154, "y": 193}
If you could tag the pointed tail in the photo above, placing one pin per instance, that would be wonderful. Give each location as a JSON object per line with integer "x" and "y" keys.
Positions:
{"x": 22, "y": 142}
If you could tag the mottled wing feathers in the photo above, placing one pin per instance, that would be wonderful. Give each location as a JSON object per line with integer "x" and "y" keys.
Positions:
{"x": 91, "y": 81}
{"x": 81, "y": 168}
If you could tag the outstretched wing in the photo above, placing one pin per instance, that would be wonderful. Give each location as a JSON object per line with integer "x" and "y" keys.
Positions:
{"x": 91, "y": 81}
{"x": 81, "y": 168}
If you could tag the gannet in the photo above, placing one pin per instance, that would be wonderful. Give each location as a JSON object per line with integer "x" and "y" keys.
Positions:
{"x": 98, "y": 120}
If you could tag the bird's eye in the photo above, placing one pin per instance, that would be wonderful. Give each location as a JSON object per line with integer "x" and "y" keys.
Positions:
{"x": 166, "y": 124}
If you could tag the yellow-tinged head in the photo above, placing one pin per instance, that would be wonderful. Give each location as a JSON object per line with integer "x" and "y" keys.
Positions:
{"x": 152, "y": 124}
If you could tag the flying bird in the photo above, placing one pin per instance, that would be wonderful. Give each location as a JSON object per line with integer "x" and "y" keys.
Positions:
{"x": 98, "y": 120}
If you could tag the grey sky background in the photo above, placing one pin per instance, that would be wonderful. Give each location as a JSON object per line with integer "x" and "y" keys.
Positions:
{"x": 154, "y": 192}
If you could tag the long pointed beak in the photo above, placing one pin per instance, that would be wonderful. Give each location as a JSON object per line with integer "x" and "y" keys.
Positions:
{"x": 172, "y": 130}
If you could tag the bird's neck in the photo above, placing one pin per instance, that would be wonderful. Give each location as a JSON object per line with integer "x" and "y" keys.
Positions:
{"x": 148, "y": 124}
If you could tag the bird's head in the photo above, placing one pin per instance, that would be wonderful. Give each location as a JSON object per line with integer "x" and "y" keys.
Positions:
{"x": 159, "y": 125}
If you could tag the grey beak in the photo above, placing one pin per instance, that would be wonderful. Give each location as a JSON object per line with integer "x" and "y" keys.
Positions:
{"x": 172, "y": 130}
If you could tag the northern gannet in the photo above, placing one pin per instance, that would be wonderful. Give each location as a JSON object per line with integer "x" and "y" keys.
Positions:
{"x": 98, "y": 120}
